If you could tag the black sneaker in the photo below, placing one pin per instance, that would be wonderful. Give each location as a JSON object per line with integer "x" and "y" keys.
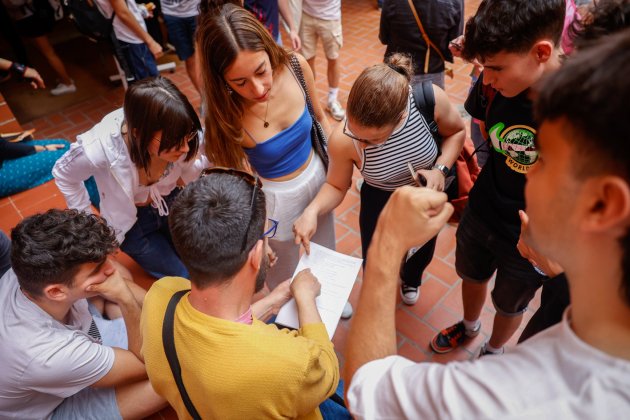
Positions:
{"x": 452, "y": 337}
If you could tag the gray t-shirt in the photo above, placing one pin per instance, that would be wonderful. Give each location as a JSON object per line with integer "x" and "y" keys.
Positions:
{"x": 44, "y": 361}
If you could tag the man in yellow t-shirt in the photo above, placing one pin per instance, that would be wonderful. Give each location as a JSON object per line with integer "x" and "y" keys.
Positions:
{"x": 233, "y": 365}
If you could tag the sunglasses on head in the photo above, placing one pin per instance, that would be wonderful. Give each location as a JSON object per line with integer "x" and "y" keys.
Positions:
{"x": 257, "y": 184}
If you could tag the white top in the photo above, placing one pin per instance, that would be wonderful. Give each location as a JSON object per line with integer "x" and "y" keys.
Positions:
{"x": 553, "y": 375}
{"x": 180, "y": 8}
{"x": 102, "y": 153}
{"x": 122, "y": 31}
{"x": 322, "y": 9}
{"x": 44, "y": 361}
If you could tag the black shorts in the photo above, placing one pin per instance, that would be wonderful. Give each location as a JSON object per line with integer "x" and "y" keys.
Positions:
{"x": 480, "y": 252}
{"x": 34, "y": 26}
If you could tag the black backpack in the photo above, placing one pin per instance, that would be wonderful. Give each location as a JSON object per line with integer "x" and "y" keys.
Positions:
{"x": 90, "y": 20}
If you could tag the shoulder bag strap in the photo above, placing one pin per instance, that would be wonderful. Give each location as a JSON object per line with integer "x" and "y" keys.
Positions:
{"x": 424, "y": 98}
{"x": 426, "y": 38}
{"x": 171, "y": 354}
{"x": 297, "y": 69}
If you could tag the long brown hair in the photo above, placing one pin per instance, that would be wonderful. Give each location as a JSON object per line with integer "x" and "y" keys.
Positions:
{"x": 219, "y": 40}
{"x": 380, "y": 94}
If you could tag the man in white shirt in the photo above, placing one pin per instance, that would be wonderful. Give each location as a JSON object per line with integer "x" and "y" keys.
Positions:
{"x": 180, "y": 17}
{"x": 578, "y": 202}
{"x": 139, "y": 48}
{"x": 67, "y": 316}
{"x": 322, "y": 19}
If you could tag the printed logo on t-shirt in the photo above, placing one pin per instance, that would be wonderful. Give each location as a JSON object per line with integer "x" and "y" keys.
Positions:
{"x": 517, "y": 144}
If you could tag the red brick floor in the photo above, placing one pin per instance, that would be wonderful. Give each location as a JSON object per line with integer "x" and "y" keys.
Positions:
{"x": 440, "y": 301}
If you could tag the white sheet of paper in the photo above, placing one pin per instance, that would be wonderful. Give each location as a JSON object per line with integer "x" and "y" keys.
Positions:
{"x": 337, "y": 273}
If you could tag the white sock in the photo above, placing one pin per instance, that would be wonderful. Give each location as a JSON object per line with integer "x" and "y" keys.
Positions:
{"x": 491, "y": 349}
{"x": 332, "y": 94}
{"x": 472, "y": 325}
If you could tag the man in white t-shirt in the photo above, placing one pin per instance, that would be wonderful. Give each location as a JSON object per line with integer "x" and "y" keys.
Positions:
{"x": 321, "y": 19}
{"x": 180, "y": 17}
{"x": 578, "y": 202}
{"x": 67, "y": 315}
{"x": 139, "y": 48}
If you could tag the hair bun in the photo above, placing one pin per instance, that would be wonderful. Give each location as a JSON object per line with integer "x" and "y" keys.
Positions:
{"x": 400, "y": 63}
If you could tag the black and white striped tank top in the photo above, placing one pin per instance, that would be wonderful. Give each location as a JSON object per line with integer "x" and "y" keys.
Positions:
{"x": 386, "y": 167}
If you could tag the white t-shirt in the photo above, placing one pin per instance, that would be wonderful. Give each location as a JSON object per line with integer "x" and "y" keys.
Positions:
{"x": 44, "y": 361}
{"x": 322, "y": 9}
{"x": 180, "y": 8}
{"x": 122, "y": 31}
{"x": 553, "y": 375}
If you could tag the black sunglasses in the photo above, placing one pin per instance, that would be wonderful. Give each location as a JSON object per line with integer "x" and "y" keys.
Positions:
{"x": 252, "y": 180}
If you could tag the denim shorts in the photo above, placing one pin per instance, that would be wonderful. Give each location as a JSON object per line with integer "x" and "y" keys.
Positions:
{"x": 181, "y": 33}
{"x": 140, "y": 60}
{"x": 480, "y": 252}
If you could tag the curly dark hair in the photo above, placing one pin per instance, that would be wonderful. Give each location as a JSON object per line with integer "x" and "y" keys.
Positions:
{"x": 512, "y": 26}
{"x": 49, "y": 248}
{"x": 603, "y": 18}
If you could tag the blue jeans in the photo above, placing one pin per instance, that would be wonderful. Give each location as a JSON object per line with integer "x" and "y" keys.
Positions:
{"x": 140, "y": 60}
{"x": 149, "y": 243}
{"x": 331, "y": 410}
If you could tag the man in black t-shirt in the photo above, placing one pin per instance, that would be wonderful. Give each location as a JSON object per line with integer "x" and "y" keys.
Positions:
{"x": 515, "y": 53}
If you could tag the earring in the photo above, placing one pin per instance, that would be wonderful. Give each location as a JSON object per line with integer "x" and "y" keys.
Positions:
{"x": 229, "y": 89}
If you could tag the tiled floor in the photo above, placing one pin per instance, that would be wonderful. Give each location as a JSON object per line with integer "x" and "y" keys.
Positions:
{"x": 440, "y": 301}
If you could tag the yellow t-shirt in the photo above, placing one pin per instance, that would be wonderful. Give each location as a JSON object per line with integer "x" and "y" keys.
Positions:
{"x": 233, "y": 370}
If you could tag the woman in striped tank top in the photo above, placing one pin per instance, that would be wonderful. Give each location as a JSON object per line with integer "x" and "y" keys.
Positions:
{"x": 384, "y": 131}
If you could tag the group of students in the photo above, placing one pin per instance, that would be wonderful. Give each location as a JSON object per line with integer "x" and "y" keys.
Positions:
{"x": 258, "y": 120}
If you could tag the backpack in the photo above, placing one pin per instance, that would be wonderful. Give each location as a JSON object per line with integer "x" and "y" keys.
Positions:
{"x": 90, "y": 20}
{"x": 464, "y": 172}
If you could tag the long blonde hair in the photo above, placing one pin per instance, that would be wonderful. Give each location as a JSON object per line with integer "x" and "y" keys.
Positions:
{"x": 219, "y": 40}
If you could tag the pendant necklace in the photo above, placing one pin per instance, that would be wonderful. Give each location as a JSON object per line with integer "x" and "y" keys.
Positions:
{"x": 264, "y": 120}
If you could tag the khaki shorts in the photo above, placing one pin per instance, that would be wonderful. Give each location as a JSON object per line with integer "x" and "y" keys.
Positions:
{"x": 328, "y": 30}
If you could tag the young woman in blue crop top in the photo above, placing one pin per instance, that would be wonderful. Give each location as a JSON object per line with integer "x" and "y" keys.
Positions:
{"x": 383, "y": 133}
{"x": 257, "y": 119}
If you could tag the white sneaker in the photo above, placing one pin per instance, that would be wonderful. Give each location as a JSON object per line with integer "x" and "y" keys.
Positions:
{"x": 336, "y": 110}
{"x": 63, "y": 89}
{"x": 409, "y": 294}
{"x": 347, "y": 311}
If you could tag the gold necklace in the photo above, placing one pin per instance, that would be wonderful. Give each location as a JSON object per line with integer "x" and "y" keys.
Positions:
{"x": 264, "y": 120}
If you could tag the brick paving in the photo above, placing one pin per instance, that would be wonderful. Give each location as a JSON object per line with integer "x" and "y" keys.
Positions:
{"x": 440, "y": 300}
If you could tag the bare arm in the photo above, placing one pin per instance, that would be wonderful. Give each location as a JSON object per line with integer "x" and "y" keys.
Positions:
{"x": 412, "y": 216}
{"x": 29, "y": 73}
{"x": 451, "y": 128}
{"x": 285, "y": 12}
{"x": 124, "y": 14}
{"x": 332, "y": 193}
{"x": 269, "y": 305}
{"x": 312, "y": 91}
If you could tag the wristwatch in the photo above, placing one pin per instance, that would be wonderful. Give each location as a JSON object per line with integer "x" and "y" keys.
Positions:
{"x": 18, "y": 69}
{"x": 443, "y": 168}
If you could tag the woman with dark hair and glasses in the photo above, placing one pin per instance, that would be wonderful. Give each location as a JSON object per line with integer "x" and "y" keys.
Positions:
{"x": 139, "y": 156}
{"x": 383, "y": 135}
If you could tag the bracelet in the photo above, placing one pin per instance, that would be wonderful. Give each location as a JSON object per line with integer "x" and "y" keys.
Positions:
{"x": 18, "y": 69}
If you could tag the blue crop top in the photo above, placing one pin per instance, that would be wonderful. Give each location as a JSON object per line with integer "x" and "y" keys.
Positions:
{"x": 285, "y": 152}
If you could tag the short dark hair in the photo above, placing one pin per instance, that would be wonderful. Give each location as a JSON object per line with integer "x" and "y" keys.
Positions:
{"x": 603, "y": 18}
{"x": 590, "y": 94}
{"x": 208, "y": 222}
{"x": 157, "y": 104}
{"x": 512, "y": 26}
{"x": 49, "y": 248}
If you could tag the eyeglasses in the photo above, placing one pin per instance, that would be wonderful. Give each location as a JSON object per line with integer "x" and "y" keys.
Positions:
{"x": 271, "y": 232}
{"x": 252, "y": 180}
{"x": 372, "y": 143}
{"x": 186, "y": 139}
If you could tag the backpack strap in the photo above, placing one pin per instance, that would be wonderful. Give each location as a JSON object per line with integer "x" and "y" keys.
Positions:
{"x": 424, "y": 98}
{"x": 168, "y": 342}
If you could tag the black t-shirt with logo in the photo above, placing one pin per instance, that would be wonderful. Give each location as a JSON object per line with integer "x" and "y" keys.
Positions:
{"x": 499, "y": 192}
